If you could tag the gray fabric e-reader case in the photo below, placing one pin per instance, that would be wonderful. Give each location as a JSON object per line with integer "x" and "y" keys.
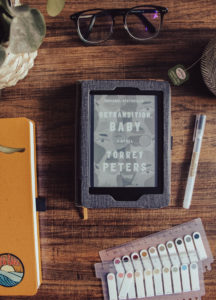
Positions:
{"x": 123, "y": 151}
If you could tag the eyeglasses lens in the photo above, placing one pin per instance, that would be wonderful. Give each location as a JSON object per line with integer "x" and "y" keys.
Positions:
{"x": 143, "y": 22}
{"x": 95, "y": 26}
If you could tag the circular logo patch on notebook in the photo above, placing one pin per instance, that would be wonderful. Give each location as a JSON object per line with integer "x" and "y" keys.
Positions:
{"x": 11, "y": 270}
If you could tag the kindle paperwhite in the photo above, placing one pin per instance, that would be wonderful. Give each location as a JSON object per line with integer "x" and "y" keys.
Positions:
{"x": 123, "y": 144}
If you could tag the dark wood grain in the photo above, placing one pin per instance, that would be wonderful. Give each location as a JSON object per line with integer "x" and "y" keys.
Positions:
{"x": 70, "y": 246}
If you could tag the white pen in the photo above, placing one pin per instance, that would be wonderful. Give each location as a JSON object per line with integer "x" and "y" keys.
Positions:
{"x": 197, "y": 138}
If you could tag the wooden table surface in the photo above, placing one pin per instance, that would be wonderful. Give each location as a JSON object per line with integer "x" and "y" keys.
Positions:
{"x": 69, "y": 245}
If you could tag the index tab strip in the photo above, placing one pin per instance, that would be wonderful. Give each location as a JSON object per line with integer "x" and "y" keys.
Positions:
{"x": 158, "y": 282}
{"x": 136, "y": 262}
{"x": 119, "y": 279}
{"x": 199, "y": 245}
{"x": 127, "y": 263}
{"x": 164, "y": 256}
{"x": 173, "y": 253}
{"x": 176, "y": 280}
{"x": 146, "y": 260}
{"x": 149, "y": 283}
{"x": 120, "y": 272}
{"x": 185, "y": 278}
{"x": 194, "y": 273}
{"x": 139, "y": 280}
{"x": 167, "y": 281}
{"x": 118, "y": 265}
{"x": 126, "y": 285}
{"x": 182, "y": 251}
{"x": 190, "y": 248}
{"x": 166, "y": 237}
{"x": 155, "y": 258}
{"x": 112, "y": 287}
{"x": 129, "y": 268}
{"x": 185, "y": 243}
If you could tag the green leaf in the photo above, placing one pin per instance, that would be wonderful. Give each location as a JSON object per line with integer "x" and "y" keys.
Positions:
{"x": 54, "y": 7}
{"x": 6, "y": 18}
{"x": 2, "y": 55}
{"x": 5, "y": 23}
{"x": 39, "y": 22}
{"x": 27, "y": 31}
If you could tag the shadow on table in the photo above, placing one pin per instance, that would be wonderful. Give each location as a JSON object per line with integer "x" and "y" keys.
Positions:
{"x": 56, "y": 146}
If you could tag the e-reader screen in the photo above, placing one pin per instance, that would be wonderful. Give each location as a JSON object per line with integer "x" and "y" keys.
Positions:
{"x": 124, "y": 140}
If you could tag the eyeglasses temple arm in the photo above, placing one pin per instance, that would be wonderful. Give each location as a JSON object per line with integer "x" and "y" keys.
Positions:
{"x": 91, "y": 24}
{"x": 146, "y": 22}
{"x": 93, "y": 18}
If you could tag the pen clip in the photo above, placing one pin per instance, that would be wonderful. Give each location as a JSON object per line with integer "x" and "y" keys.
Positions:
{"x": 195, "y": 128}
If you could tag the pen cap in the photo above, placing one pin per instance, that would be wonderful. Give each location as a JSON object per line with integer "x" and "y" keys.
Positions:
{"x": 199, "y": 126}
{"x": 201, "y": 123}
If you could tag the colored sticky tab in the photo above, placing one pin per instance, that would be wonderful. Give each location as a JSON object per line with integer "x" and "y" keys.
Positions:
{"x": 149, "y": 283}
{"x": 129, "y": 268}
{"x": 190, "y": 248}
{"x": 145, "y": 260}
{"x": 126, "y": 285}
{"x": 139, "y": 280}
{"x": 119, "y": 279}
{"x": 194, "y": 273}
{"x": 167, "y": 281}
{"x": 199, "y": 245}
{"x": 178, "y": 74}
{"x": 132, "y": 290}
{"x": 127, "y": 263}
{"x": 155, "y": 258}
{"x": 182, "y": 251}
{"x": 164, "y": 256}
{"x": 185, "y": 278}
{"x": 112, "y": 287}
{"x": 118, "y": 265}
{"x": 173, "y": 253}
{"x": 176, "y": 279}
{"x": 136, "y": 262}
{"x": 158, "y": 282}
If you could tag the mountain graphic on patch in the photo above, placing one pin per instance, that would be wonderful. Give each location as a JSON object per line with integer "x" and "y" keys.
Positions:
{"x": 8, "y": 276}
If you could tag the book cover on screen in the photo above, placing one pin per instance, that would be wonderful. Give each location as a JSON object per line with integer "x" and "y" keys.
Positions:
{"x": 124, "y": 141}
{"x": 20, "y": 265}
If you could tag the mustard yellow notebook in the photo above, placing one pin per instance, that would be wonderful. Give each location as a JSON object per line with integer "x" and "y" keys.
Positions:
{"x": 20, "y": 266}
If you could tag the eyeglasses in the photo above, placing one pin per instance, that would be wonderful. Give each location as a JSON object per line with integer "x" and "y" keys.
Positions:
{"x": 95, "y": 26}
